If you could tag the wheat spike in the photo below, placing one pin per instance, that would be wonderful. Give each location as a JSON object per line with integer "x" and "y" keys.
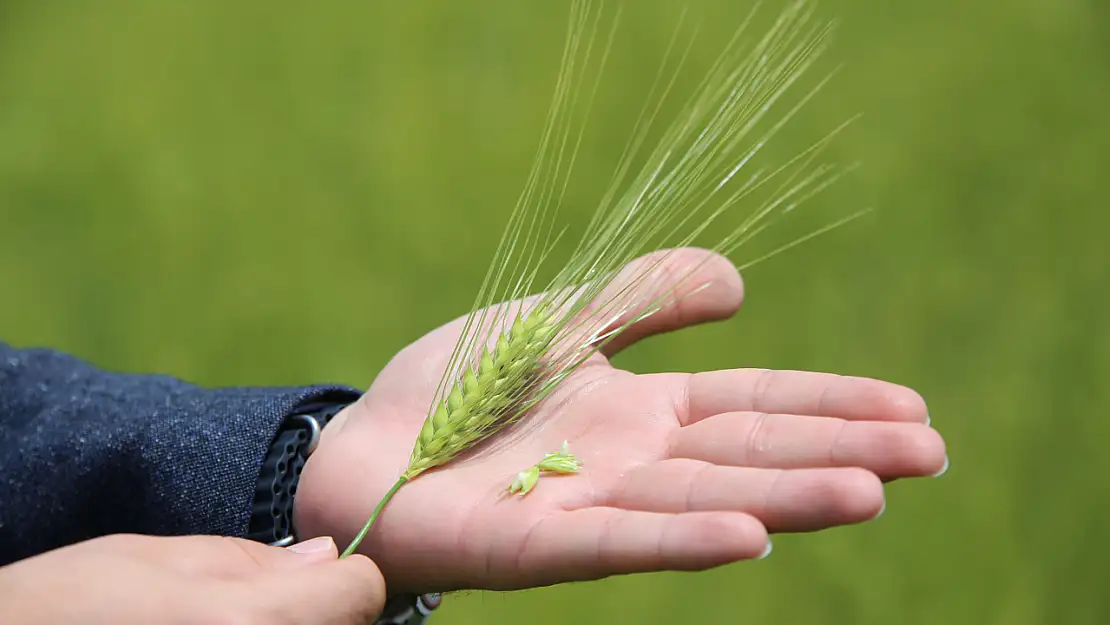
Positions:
{"x": 484, "y": 399}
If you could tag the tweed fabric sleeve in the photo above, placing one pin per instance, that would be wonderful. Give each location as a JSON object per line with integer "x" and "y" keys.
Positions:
{"x": 86, "y": 452}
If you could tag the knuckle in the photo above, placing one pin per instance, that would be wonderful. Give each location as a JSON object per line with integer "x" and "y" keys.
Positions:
{"x": 761, "y": 385}
{"x": 757, "y": 443}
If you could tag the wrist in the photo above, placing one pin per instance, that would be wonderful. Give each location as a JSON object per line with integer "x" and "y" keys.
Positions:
{"x": 344, "y": 479}
{"x": 321, "y": 509}
{"x": 297, "y": 439}
{"x": 310, "y": 514}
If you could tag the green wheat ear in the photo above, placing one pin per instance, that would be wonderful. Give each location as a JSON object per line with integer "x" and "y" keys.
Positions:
{"x": 510, "y": 358}
{"x": 486, "y": 395}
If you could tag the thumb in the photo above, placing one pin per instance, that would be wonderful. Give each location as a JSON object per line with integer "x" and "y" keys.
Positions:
{"x": 696, "y": 286}
{"x": 316, "y": 550}
{"x": 346, "y": 591}
{"x": 239, "y": 557}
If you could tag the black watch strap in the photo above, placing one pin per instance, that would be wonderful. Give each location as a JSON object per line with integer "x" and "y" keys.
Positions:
{"x": 271, "y": 519}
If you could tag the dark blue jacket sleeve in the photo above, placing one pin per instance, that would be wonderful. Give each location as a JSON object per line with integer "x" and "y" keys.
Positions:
{"x": 86, "y": 452}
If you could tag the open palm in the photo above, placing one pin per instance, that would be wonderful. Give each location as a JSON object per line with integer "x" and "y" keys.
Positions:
{"x": 681, "y": 471}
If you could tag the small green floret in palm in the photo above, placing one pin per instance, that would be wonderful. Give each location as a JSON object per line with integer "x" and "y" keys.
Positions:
{"x": 562, "y": 462}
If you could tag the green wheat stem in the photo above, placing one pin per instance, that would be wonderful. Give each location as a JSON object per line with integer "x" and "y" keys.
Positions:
{"x": 373, "y": 517}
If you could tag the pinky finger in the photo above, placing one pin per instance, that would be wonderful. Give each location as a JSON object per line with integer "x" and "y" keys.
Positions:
{"x": 592, "y": 543}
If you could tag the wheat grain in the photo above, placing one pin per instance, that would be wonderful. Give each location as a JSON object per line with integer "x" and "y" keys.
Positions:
{"x": 562, "y": 462}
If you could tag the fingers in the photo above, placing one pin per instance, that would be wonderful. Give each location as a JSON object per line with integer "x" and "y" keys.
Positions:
{"x": 592, "y": 543}
{"x": 706, "y": 287}
{"x": 800, "y": 393}
{"x": 798, "y": 500}
{"x": 337, "y": 592}
{"x": 752, "y": 439}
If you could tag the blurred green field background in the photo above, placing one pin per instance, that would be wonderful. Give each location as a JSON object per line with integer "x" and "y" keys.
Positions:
{"x": 242, "y": 192}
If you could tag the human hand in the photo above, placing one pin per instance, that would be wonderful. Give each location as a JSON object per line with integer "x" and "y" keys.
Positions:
{"x": 680, "y": 471}
{"x": 130, "y": 579}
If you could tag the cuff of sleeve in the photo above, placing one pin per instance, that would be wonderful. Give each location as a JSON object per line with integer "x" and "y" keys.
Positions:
{"x": 215, "y": 467}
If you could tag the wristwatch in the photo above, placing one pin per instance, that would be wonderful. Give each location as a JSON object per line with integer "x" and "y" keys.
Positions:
{"x": 271, "y": 519}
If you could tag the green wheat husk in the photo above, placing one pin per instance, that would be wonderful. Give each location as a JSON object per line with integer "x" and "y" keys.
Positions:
{"x": 511, "y": 357}
{"x": 562, "y": 462}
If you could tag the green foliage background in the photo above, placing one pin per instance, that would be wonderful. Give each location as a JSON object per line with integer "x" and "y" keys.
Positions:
{"x": 241, "y": 192}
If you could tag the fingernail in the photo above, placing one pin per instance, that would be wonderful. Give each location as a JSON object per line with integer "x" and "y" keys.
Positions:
{"x": 943, "y": 469}
{"x": 928, "y": 420}
{"x": 316, "y": 545}
{"x": 766, "y": 550}
{"x": 880, "y": 512}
